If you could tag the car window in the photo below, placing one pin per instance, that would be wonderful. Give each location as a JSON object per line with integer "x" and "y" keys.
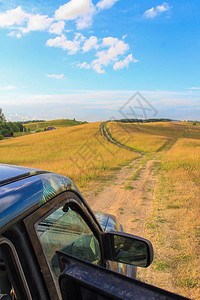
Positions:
{"x": 65, "y": 230}
{"x": 13, "y": 283}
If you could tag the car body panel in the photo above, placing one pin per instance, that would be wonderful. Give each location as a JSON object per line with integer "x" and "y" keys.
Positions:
{"x": 27, "y": 190}
{"x": 108, "y": 222}
{"x": 23, "y": 190}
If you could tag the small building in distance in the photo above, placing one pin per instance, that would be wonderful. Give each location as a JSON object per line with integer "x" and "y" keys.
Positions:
{"x": 50, "y": 128}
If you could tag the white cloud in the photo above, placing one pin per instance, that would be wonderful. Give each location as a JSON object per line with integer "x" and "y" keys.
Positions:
{"x": 80, "y": 10}
{"x": 57, "y": 27}
{"x": 103, "y": 4}
{"x": 156, "y": 11}
{"x": 163, "y": 7}
{"x": 111, "y": 49}
{"x": 90, "y": 44}
{"x": 15, "y": 34}
{"x": 150, "y": 13}
{"x": 84, "y": 65}
{"x": 106, "y": 57}
{"x": 98, "y": 68}
{"x": 85, "y": 21}
{"x": 56, "y": 76}
{"x": 125, "y": 62}
{"x": 109, "y": 41}
{"x": 73, "y": 9}
{"x": 194, "y": 88}
{"x": 79, "y": 37}
{"x": 65, "y": 44}
{"x": 7, "y": 88}
{"x": 13, "y": 17}
{"x": 114, "y": 49}
{"x": 24, "y": 22}
{"x": 37, "y": 22}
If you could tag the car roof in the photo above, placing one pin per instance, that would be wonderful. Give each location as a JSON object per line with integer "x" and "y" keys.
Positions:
{"x": 9, "y": 173}
{"x": 23, "y": 190}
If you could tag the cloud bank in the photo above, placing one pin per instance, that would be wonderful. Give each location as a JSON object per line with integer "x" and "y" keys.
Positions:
{"x": 156, "y": 11}
{"x": 108, "y": 51}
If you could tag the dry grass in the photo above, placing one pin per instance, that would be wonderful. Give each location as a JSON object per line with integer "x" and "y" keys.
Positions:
{"x": 174, "y": 225}
{"x": 79, "y": 152}
{"x": 132, "y": 136}
{"x": 151, "y": 137}
{"x": 82, "y": 154}
{"x": 55, "y": 123}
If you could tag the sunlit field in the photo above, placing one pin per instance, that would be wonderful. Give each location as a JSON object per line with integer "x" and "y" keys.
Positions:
{"x": 54, "y": 123}
{"x": 136, "y": 136}
{"x": 151, "y": 137}
{"x": 79, "y": 152}
{"x": 174, "y": 223}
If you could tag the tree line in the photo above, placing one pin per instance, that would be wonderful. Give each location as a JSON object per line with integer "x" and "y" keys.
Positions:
{"x": 143, "y": 120}
{"x": 7, "y": 129}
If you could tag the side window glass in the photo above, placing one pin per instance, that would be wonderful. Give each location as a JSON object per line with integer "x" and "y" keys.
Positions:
{"x": 65, "y": 230}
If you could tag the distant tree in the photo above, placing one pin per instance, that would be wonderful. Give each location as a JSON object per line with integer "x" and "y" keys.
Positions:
{"x": 1, "y": 137}
{"x": 2, "y": 117}
{"x": 7, "y": 132}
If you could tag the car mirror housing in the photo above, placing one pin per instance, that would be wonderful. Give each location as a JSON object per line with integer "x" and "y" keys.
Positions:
{"x": 128, "y": 249}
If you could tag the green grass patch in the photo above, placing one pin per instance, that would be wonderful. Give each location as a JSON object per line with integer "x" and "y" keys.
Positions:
{"x": 172, "y": 206}
{"x": 136, "y": 175}
{"x": 160, "y": 220}
{"x": 187, "y": 282}
{"x": 129, "y": 187}
{"x": 53, "y": 123}
{"x": 151, "y": 225}
{"x": 115, "y": 168}
{"x": 160, "y": 266}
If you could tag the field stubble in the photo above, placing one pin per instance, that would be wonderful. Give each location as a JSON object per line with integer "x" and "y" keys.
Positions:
{"x": 79, "y": 152}
{"x": 173, "y": 224}
{"x": 173, "y": 204}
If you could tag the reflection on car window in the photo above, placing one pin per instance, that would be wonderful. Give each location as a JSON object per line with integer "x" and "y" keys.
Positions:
{"x": 68, "y": 232}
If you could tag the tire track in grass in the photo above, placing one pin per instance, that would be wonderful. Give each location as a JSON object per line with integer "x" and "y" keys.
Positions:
{"x": 107, "y": 135}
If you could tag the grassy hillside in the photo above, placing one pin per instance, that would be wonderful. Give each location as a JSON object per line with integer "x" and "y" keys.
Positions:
{"x": 79, "y": 152}
{"x": 53, "y": 123}
{"x": 151, "y": 137}
{"x": 174, "y": 224}
{"x": 177, "y": 206}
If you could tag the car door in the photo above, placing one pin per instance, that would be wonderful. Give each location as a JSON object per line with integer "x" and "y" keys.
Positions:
{"x": 81, "y": 280}
{"x": 63, "y": 224}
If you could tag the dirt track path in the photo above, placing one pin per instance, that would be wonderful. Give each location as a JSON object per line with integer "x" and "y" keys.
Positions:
{"x": 130, "y": 206}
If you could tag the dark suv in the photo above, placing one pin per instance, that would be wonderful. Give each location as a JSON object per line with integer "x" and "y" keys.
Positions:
{"x": 52, "y": 246}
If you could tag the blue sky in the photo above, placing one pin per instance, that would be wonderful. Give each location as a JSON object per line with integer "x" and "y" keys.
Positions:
{"x": 85, "y": 59}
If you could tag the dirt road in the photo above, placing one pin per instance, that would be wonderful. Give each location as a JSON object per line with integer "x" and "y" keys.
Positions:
{"x": 129, "y": 196}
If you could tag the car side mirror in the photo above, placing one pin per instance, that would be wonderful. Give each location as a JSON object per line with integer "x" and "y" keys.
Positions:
{"x": 128, "y": 249}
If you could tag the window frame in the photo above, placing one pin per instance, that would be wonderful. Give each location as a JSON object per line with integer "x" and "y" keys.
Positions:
{"x": 17, "y": 266}
{"x": 31, "y": 222}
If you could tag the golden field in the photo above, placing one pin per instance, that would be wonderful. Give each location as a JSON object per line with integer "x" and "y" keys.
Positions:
{"x": 81, "y": 153}
{"x": 151, "y": 137}
{"x": 133, "y": 136}
{"x": 174, "y": 222}
{"x": 54, "y": 123}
